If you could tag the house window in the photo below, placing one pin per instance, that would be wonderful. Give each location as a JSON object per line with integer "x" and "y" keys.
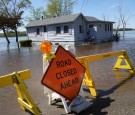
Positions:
{"x": 45, "y": 29}
{"x": 65, "y": 29}
{"x": 80, "y": 29}
{"x": 38, "y": 31}
{"x": 90, "y": 26}
{"x": 58, "y": 30}
{"x": 105, "y": 27}
{"x": 110, "y": 27}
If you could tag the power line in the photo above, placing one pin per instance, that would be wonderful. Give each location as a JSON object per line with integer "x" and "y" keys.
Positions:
{"x": 82, "y": 5}
{"x": 85, "y": 6}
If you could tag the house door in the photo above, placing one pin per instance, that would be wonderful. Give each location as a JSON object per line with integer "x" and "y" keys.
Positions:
{"x": 45, "y": 33}
{"x": 93, "y": 31}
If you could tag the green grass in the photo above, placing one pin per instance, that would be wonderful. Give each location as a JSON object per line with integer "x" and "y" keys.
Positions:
{"x": 13, "y": 34}
{"x": 126, "y": 29}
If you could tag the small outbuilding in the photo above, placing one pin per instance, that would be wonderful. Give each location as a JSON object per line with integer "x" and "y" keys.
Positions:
{"x": 70, "y": 28}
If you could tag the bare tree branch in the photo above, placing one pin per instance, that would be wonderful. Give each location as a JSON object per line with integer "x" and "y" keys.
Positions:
{"x": 124, "y": 16}
{"x": 6, "y": 8}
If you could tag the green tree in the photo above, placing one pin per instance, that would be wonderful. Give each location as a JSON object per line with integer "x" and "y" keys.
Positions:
{"x": 56, "y": 8}
{"x": 3, "y": 24}
{"x": 35, "y": 14}
{"x": 68, "y": 7}
{"x": 14, "y": 22}
{"x": 13, "y": 10}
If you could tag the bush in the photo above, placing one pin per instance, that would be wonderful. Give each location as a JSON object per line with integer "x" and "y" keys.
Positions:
{"x": 26, "y": 43}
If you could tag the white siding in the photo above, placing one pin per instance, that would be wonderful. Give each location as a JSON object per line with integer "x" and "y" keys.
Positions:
{"x": 52, "y": 36}
{"x": 32, "y": 33}
{"x": 104, "y": 34}
{"x": 51, "y": 33}
{"x": 99, "y": 33}
{"x": 80, "y": 36}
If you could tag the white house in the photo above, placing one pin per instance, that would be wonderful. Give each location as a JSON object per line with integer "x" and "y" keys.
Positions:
{"x": 75, "y": 28}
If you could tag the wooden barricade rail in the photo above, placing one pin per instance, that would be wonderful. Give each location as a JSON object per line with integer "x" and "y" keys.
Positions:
{"x": 24, "y": 98}
{"x": 122, "y": 56}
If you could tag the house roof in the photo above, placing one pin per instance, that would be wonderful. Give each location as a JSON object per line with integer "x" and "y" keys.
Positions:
{"x": 62, "y": 19}
{"x": 90, "y": 18}
{"x": 93, "y": 19}
{"x": 56, "y": 20}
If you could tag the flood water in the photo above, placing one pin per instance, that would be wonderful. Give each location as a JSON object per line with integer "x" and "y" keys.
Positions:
{"x": 15, "y": 58}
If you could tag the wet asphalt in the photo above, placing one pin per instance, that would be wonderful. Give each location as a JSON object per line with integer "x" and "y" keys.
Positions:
{"x": 116, "y": 89}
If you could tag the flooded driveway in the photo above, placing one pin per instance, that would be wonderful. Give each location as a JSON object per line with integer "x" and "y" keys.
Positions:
{"x": 116, "y": 89}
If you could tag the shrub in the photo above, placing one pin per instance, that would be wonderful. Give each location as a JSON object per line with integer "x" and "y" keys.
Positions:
{"x": 26, "y": 43}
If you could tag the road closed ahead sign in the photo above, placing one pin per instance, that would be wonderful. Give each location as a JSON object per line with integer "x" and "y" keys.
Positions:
{"x": 64, "y": 74}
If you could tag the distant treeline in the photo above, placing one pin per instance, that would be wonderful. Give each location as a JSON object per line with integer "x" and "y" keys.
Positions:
{"x": 121, "y": 29}
{"x": 12, "y": 34}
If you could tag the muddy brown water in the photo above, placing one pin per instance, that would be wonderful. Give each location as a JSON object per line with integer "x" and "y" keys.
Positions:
{"x": 116, "y": 89}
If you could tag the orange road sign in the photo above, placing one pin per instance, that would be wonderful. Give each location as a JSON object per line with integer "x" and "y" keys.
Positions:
{"x": 64, "y": 74}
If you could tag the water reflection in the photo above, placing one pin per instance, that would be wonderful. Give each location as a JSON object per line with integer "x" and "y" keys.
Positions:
{"x": 4, "y": 46}
{"x": 9, "y": 47}
{"x": 18, "y": 46}
{"x": 85, "y": 50}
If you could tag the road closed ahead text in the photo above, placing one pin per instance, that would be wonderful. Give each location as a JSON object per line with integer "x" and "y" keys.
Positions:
{"x": 66, "y": 73}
